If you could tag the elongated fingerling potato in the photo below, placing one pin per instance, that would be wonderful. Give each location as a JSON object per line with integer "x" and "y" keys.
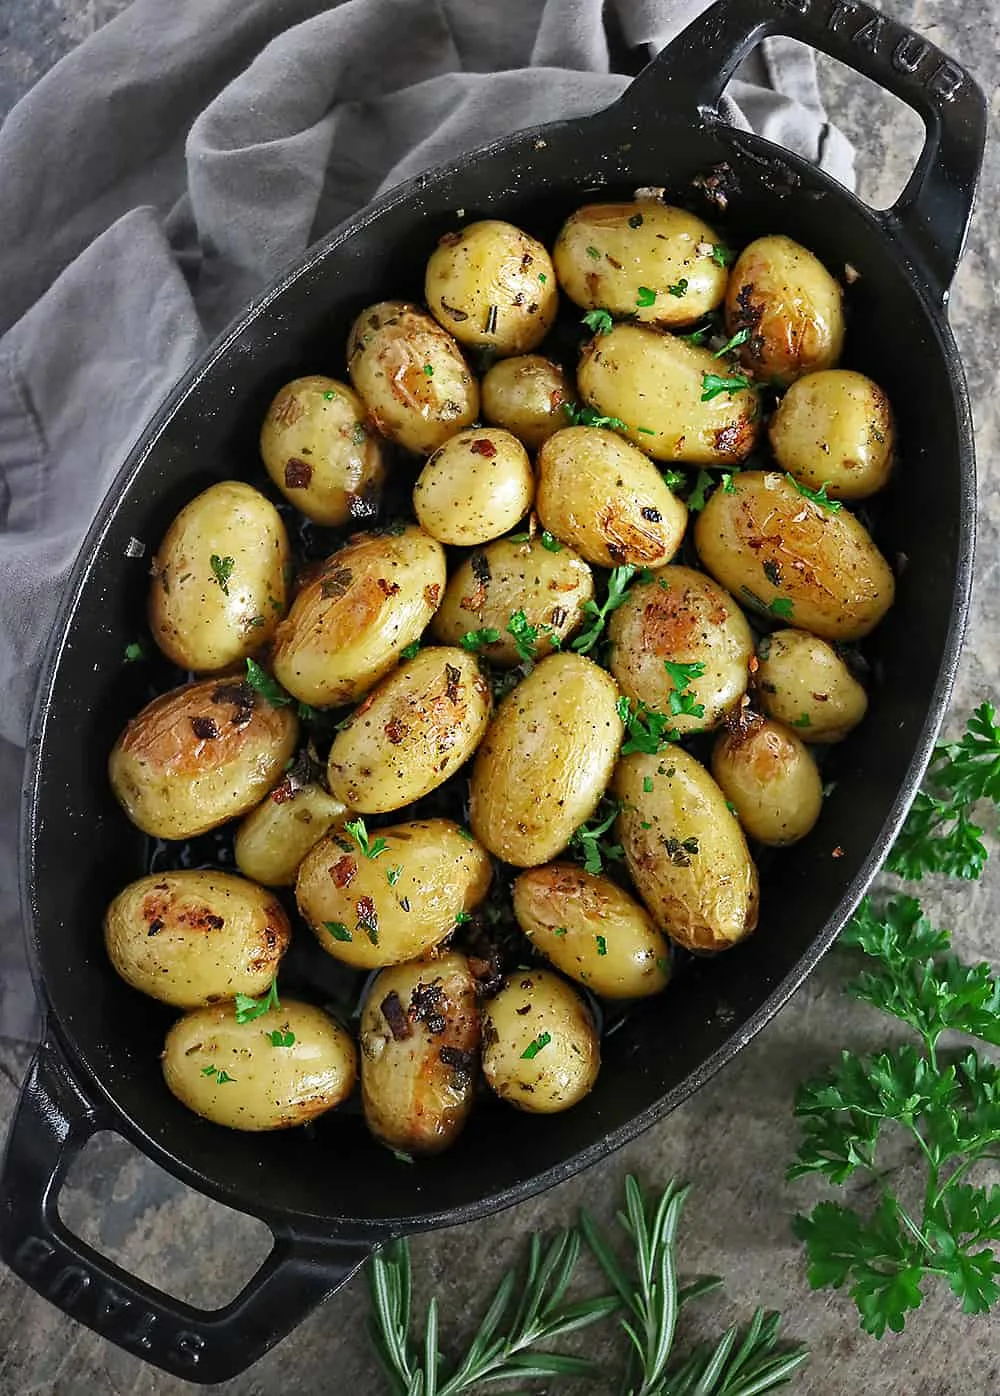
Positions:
{"x": 218, "y": 588}
{"x": 545, "y": 760}
{"x": 792, "y": 558}
{"x": 685, "y": 851}
{"x": 789, "y": 305}
{"x": 474, "y": 487}
{"x": 276, "y": 1071}
{"x": 803, "y": 682}
{"x": 492, "y": 287}
{"x": 272, "y": 839}
{"x": 525, "y": 395}
{"x": 420, "y": 1053}
{"x": 200, "y": 755}
{"x": 540, "y": 1048}
{"x": 835, "y": 429}
{"x": 764, "y": 770}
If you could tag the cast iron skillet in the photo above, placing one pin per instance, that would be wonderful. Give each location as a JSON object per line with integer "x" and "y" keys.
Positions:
{"x": 331, "y": 1197}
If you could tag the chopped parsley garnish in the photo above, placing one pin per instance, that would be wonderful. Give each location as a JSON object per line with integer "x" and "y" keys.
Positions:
{"x": 584, "y": 416}
{"x": 222, "y": 568}
{"x": 647, "y": 785}
{"x": 599, "y": 321}
{"x": 782, "y": 606}
{"x": 462, "y": 917}
{"x": 525, "y": 636}
{"x": 682, "y": 699}
{"x": 679, "y": 288}
{"x": 533, "y": 1048}
{"x": 475, "y": 640}
{"x": 740, "y": 337}
{"x": 282, "y": 1039}
{"x": 618, "y": 581}
{"x": 269, "y": 688}
{"x": 542, "y": 277}
{"x": 646, "y": 730}
{"x": 673, "y": 479}
{"x": 549, "y": 543}
{"x": 358, "y": 832}
{"x": 698, "y": 497}
{"x": 819, "y": 496}
{"x": 329, "y": 396}
{"x": 803, "y": 720}
{"x": 247, "y": 1008}
{"x": 410, "y": 651}
{"x": 645, "y": 297}
{"x": 722, "y": 255}
{"x": 588, "y": 838}
{"x": 133, "y": 652}
{"x": 699, "y": 335}
{"x": 221, "y": 1076}
{"x": 559, "y": 930}
{"x": 429, "y": 370}
{"x": 712, "y": 385}
{"x": 338, "y": 930}
{"x": 727, "y": 484}
{"x": 647, "y": 431}
{"x": 602, "y": 945}
{"x": 392, "y": 875}
{"x": 594, "y": 253}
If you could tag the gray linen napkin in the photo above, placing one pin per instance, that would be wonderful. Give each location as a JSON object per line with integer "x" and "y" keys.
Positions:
{"x": 169, "y": 168}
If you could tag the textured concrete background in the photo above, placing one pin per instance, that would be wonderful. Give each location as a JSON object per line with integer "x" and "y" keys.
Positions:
{"x": 735, "y": 1138}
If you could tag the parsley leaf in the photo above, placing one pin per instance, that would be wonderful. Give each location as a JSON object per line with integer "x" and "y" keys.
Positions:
{"x": 525, "y": 636}
{"x": 698, "y": 497}
{"x": 646, "y": 730}
{"x": 593, "y": 253}
{"x": 549, "y": 543}
{"x": 533, "y": 1048}
{"x": 618, "y": 581}
{"x": 222, "y": 568}
{"x": 270, "y": 689}
{"x": 338, "y": 930}
{"x": 731, "y": 345}
{"x": 589, "y": 841}
{"x": 282, "y": 1038}
{"x": 410, "y": 651}
{"x": 782, "y": 606}
{"x": 819, "y": 496}
{"x": 682, "y": 699}
{"x": 584, "y": 416}
{"x": 645, "y": 297}
{"x": 247, "y": 1008}
{"x": 722, "y": 255}
{"x": 712, "y": 385}
{"x": 679, "y": 288}
{"x": 599, "y": 321}
{"x": 475, "y": 640}
{"x": 134, "y": 652}
{"x": 358, "y": 832}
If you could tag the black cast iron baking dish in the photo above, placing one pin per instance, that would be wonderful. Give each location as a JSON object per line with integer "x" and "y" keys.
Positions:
{"x": 331, "y": 1197}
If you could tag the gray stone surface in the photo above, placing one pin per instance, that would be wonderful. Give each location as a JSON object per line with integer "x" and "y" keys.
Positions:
{"x": 734, "y": 1138}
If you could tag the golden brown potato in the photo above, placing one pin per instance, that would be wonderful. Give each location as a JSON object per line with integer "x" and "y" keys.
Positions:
{"x": 607, "y": 500}
{"x": 525, "y": 395}
{"x": 413, "y": 732}
{"x": 592, "y": 931}
{"x": 545, "y": 760}
{"x": 279, "y": 1070}
{"x": 656, "y": 385}
{"x": 791, "y": 307}
{"x": 272, "y": 839}
{"x": 493, "y": 287}
{"x": 685, "y": 850}
{"x": 681, "y": 618}
{"x": 474, "y": 487}
{"x": 200, "y": 755}
{"x": 411, "y": 376}
{"x": 401, "y": 903}
{"x": 540, "y": 1048}
{"x": 420, "y": 1053}
{"x": 642, "y": 259}
{"x": 218, "y": 588}
{"x": 541, "y": 578}
{"x": 769, "y": 776}
{"x": 189, "y": 938}
{"x": 802, "y": 682}
{"x": 350, "y": 622}
{"x": 835, "y": 429}
{"x": 316, "y": 450}
{"x": 791, "y": 558}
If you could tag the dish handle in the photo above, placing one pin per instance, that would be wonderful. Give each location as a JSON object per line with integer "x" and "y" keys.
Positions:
{"x": 52, "y": 1122}
{"x": 931, "y": 215}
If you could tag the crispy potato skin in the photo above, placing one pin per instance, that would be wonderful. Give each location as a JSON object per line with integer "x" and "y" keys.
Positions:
{"x": 835, "y": 428}
{"x": 802, "y": 682}
{"x": 492, "y": 287}
{"x": 536, "y": 1009}
{"x": 765, "y": 771}
{"x": 474, "y": 487}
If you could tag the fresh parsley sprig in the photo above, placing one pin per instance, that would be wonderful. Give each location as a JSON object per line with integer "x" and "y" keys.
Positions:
{"x": 589, "y": 840}
{"x": 271, "y": 690}
{"x": 599, "y": 321}
{"x": 580, "y": 415}
{"x": 371, "y": 848}
{"x": 248, "y": 1008}
{"x": 646, "y": 730}
{"x": 618, "y": 581}
{"x": 820, "y": 496}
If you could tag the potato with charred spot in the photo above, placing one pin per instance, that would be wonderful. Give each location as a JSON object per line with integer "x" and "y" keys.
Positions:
{"x": 541, "y": 1052}
{"x": 272, "y": 839}
{"x": 474, "y": 487}
{"x": 199, "y": 755}
{"x": 769, "y": 776}
{"x": 835, "y": 429}
{"x": 525, "y": 395}
{"x": 274, "y": 1072}
{"x": 803, "y": 682}
{"x": 420, "y": 1053}
{"x": 492, "y": 287}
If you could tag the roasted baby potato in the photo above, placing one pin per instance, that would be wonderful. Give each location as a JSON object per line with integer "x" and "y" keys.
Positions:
{"x": 420, "y": 1053}
{"x": 541, "y": 579}
{"x": 642, "y": 259}
{"x": 272, "y": 839}
{"x": 658, "y": 387}
{"x": 803, "y": 682}
{"x": 791, "y": 307}
{"x": 200, "y": 755}
{"x": 189, "y": 938}
{"x": 540, "y": 1048}
{"x": 592, "y": 930}
{"x": 410, "y": 376}
{"x": 349, "y": 623}
{"x": 835, "y": 429}
{"x": 684, "y": 620}
{"x": 545, "y": 760}
{"x": 764, "y": 770}
{"x": 316, "y": 450}
{"x": 607, "y": 500}
{"x": 401, "y": 903}
{"x": 790, "y": 557}
{"x": 417, "y": 728}
{"x": 525, "y": 395}
{"x": 218, "y": 588}
{"x": 279, "y": 1070}
{"x": 685, "y": 850}
{"x": 474, "y": 487}
{"x": 493, "y": 287}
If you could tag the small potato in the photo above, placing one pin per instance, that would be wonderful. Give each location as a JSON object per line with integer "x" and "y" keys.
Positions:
{"x": 414, "y": 731}
{"x": 545, "y": 760}
{"x": 200, "y": 755}
{"x": 835, "y": 429}
{"x": 316, "y": 450}
{"x": 681, "y": 618}
{"x": 370, "y": 912}
{"x": 540, "y": 1048}
{"x": 237, "y": 1075}
{"x": 787, "y": 556}
{"x": 791, "y": 306}
{"x": 642, "y": 259}
{"x": 655, "y": 384}
{"x": 592, "y": 931}
{"x": 765, "y": 771}
{"x": 218, "y": 588}
{"x": 493, "y": 287}
{"x": 474, "y": 487}
{"x": 411, "y": 376}
{"x": 547, "y": 581}
{"x": 189, "y": 938}
{"x": 607, "y": 500}
{"x": 525, "y": 395}
{"x": 802, "y": 682}
{"x": 685, "y": 850}
{"x": 349, "y": 623}
{"x": 420, "y": 1053}
{"x": 272, "y": 840}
